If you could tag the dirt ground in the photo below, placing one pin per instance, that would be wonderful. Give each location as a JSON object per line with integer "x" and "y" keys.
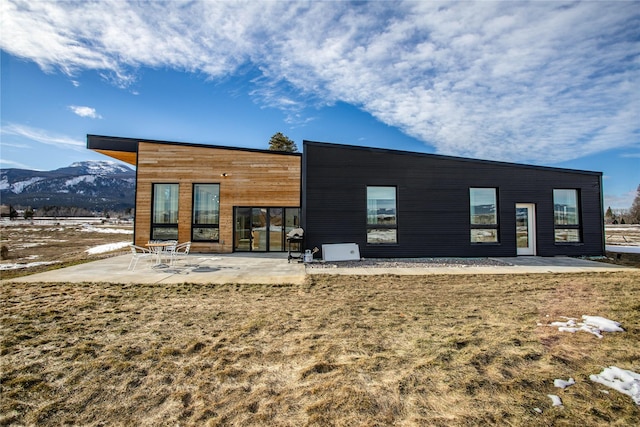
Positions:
{"x": 385, "y": 350}
{"x": 375, "y": 350}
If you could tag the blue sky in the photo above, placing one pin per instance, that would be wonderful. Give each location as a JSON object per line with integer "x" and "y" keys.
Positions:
{"x": 547, "y": 83}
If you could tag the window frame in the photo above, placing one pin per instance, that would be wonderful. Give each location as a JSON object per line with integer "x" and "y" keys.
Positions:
{"x": 473, "y": 227}
{"x": 574, "y": 227}
{"x": 375, "y": 226}
{"x": 194, "y": 224}
{"x": 164, "y": 225}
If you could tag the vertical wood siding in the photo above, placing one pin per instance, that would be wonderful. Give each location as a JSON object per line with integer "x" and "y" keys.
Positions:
{"x": 433, "y": 201}
{"x": 253, "y": 179}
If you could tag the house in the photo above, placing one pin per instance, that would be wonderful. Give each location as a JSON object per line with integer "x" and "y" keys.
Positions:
{"x": 401, "y": 204}
{"x": 391, "y": 203}
{"x": 221, "y": 199}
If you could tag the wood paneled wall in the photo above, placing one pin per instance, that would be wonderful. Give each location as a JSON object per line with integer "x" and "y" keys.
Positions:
{"x": 246, "y": 178}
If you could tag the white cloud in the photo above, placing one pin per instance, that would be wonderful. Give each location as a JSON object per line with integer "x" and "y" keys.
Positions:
{"x": 42, "y": 136}
{"x": 85, "y": 111}
{"x": 620, "y": 201}
{"x": 11, "y": 164}
{"x": 521, "y": 81}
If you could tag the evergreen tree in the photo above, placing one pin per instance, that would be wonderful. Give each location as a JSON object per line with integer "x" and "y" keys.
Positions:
{"x": 608, "y": 215}
{"x": 28, "y": 213}
{"x": 634, "y": 212}
{"x": 279, "y": 142}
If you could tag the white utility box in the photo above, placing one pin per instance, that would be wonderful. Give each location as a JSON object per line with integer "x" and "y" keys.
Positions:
{"x": 341, "y": 252}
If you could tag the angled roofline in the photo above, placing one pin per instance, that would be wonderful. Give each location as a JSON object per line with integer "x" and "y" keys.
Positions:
{"x": 445, "y": 157}
{"x": 130, "y": 145}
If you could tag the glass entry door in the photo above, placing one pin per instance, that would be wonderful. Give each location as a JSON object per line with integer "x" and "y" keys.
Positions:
{"x": 525, "y": 229}
{"x": 263, "y": 229}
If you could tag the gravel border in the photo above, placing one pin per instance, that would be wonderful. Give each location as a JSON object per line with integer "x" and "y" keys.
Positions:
{"x": 410, "y": 263}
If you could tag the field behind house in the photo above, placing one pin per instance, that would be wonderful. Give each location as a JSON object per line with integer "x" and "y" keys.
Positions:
{"x": 41, "y": 245}
{"x": 385, "y": 350}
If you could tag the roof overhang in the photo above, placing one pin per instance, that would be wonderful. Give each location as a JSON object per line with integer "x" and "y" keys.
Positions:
{"x": 123, "y": 149}
{"x": 126, "y": 149}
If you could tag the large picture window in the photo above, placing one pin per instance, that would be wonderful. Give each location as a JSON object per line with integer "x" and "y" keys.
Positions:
{"x": 566, "y": 216}
{"x": 164, "y": 214}
{"x": 382, "y": 218}
{"x": 205, "y": 225}
{"x": 484, "y": 215}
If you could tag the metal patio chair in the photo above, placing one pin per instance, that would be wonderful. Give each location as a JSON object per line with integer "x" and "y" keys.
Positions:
{"x": 180, "y": 251}
{"x": 138, "y": 253}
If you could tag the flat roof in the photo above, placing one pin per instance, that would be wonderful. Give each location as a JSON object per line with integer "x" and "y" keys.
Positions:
{"x": 126, "y": 149}
{"x": 441, "y": 156}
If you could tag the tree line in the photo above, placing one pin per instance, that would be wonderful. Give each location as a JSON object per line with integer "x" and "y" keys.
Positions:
{"x": 625, "y": 216}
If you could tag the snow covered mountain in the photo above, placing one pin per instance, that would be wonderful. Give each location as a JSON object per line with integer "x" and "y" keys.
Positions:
{"x": 94, "y": 185}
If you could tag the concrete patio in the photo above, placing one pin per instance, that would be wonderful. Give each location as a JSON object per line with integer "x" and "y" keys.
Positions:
{"x": 273, "y": 268}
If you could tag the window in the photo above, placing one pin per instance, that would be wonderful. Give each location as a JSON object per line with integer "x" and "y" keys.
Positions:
{"x": 164, "y": 214}
{"x": 206, "y": 213}
{"x": 484, "y": 215}
{"x": 566, "y": 216}
{"x": 382, "y": 224}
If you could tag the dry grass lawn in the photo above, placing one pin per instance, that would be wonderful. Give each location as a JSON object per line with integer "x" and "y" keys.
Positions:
{"x": 56, "y": 243}
{"x": 343, "y": 351}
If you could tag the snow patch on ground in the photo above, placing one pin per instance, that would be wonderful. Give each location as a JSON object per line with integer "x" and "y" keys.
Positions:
{"x": 16, "y": 266}
{"x": 562, "y": 383}
{"x": 623, "y": 249}
{"x": 107, "y": 248}
{"x": 92, "y": 229}
{"x": 593, "y": 324}
{"x": 622, "y": 380}
{"x": 555, "y": 400}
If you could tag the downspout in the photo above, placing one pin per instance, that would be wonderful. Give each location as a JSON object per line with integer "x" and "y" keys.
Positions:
{"x": 603, "y": 235}
{"x": 135, "y": 198}
{"x": 303, "y": 192}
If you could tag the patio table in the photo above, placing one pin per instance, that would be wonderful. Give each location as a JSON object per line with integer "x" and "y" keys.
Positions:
{"x": 158, "y": 248}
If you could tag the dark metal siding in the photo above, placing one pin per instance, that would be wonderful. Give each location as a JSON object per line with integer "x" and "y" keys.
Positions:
{"x": 433, "y": 201}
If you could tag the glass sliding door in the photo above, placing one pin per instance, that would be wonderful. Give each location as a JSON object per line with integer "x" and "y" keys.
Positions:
{"x": 275, "y": 230}
{"x": 263, "y": 229}
{"x": 242, "y": 230}
{"x": 259, "y": 227}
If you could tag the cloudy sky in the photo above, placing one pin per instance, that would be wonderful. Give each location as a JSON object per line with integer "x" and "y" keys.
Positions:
{"x": 547, "y": 83}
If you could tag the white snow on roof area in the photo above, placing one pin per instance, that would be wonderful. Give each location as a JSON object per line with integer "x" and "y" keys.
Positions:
{"x": 107, "y": 248}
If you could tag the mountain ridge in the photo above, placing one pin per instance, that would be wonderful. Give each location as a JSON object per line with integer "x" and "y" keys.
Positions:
{"x": 96, "y": 185}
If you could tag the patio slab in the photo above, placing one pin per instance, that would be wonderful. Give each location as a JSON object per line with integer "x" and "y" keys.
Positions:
{"x": 196, "y": 268}
{"x": 275, "y": 269}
